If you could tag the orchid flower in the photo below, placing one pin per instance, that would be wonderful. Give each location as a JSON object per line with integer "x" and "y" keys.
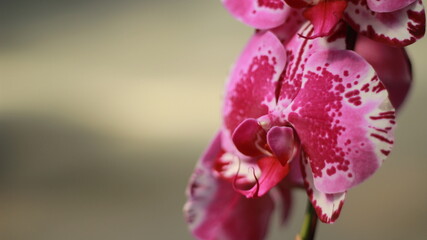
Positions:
{"x": 297, "y": 112}
{"x": 394, "y": 22}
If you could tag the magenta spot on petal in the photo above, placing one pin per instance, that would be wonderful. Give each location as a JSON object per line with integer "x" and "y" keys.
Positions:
{"x": 385, "y": 152}
{"x": 346, "y": 73}
{"x": 365, "y": 88}
{"x": 382, "y": 138}
{"x": 353, "y": 97}
{"x": 378, "y": 88}
{"x": 331, "y": 171}
{"x": 273, "y": 4}
{"x": 384, "y": 115}
{"x": 340, "y": 88}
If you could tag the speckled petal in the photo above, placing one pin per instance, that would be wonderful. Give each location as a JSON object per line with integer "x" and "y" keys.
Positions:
{"x": 299, "y": 49}
{"x": 392, "y": 66}
{"x": 328, "y": 206}
{"x": 215, "y": 211}
{"x": 343, "y": 118}
{"x": 252, "y": 84}
{"x": 388, "y": 5}
{"x": 399, "y": 28}
{"x": 261, "y": 14}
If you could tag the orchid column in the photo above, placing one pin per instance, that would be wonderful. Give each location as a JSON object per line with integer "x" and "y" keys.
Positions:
{"x": 309, "y": 104}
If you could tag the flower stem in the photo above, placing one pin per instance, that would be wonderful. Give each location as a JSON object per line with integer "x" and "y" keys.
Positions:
{"x": 308, "y": 228}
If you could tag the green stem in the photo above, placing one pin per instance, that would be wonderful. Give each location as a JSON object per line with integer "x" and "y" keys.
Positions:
{"x": 308, "y": 228}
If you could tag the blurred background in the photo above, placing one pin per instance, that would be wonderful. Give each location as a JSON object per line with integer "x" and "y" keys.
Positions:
{"x": 106, "y": 105}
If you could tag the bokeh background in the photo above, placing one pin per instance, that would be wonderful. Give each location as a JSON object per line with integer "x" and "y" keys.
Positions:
{"x": 106, "y": 105}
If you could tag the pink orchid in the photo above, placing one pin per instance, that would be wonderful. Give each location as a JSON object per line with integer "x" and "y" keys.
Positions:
{"x": 297, "y": 112}
{"x": 394, "y": 22}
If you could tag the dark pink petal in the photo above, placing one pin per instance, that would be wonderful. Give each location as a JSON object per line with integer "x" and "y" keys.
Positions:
{"x": 261, "y": 14}
{"x": 392, "y": 66}
{"x": 272, "y": 172}
{"x": 388, "y": 5}
{"x": 282, "y": 143}
{"x": 325, "y": 16}
{"x": 343, "y": 118}
{"x": 294, "y": 178}
{"x": 399, "y": 28}
{"x": 299, "y": 49}
{"x": 286, "y": 201}
{"x": 215, "y": 211}
{"x": 252, "y": 84}
{"x": 328, "y": 206}
{"x": 249, "y": 138}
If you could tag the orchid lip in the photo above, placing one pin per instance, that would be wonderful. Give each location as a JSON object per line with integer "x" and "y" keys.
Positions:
{"x": 252, "y": 138}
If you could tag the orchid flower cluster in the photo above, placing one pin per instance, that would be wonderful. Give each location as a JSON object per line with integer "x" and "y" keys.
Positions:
{"x": 310, "y": 103}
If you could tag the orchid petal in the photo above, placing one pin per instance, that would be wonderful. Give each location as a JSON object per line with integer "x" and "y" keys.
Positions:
{"x": 388, "y": 5}
{"x": 399, "y": 28}
{"x": 327, "y": 206}
{"x": 325, "y": 16}
{"x": 282, "y": 143}
{"x": 343, "y": 118}
{"x": 215, "y": 211}
{"x": 252, "y": 84}
{"x": 295, "y": 178}
{"x": 261, "y": 14}
{"x": 286, "y": 200}
{"x": 392, "y": 66}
